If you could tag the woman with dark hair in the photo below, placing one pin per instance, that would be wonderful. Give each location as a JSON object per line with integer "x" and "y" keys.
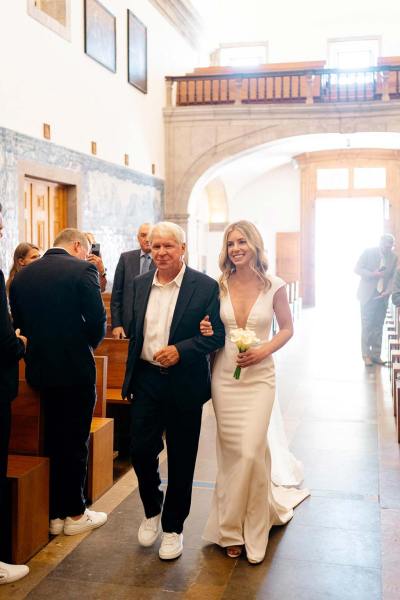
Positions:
{"x": 24, "y": 254}
{"x": 246, "y": 501}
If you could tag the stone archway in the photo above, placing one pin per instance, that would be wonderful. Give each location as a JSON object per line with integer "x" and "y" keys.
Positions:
{"x": 199, "y": 139}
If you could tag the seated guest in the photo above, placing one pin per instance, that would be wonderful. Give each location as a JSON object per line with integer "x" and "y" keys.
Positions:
{"x": 24, "y": 254}
{"x": 97, "y": 261}
{"x": 12, "y": 348}
{"x": 57, "y": 304}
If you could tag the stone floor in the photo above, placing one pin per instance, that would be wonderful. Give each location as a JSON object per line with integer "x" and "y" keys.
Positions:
{"x": 343, "y": 542}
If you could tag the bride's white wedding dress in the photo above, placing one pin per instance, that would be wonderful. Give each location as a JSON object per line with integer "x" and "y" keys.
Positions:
{"x": 248, "y": 500}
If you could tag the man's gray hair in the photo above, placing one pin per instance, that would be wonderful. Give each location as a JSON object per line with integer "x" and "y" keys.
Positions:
{"x": 168, "y": 229}
{"x": 70, "y": 235}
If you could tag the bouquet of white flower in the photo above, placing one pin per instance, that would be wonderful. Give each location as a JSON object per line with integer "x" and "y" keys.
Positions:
{"x": 244, "y": 339}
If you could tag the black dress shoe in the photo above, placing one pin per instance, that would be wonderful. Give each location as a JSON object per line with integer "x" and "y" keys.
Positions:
{"x": 378, "y": 361}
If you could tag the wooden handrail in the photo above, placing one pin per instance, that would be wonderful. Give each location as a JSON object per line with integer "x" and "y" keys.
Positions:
{"x": 295, "y": 72}
{"x": 298, "y": 86}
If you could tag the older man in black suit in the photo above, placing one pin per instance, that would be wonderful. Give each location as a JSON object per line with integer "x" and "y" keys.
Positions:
{"x": 130, "y": 265}
{"x": 57, "y": 304}
{"x": 12, "y": 348}
{"x": 168, "y": 380}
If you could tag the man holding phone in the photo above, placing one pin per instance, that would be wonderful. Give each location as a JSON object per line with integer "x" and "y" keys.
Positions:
{"x": 376, "y": 267}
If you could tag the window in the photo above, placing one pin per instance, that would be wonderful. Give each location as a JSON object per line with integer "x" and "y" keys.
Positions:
{"x": 240, "y": 55}
{"x": 332, "y": 179}
{"x": 370, "y": 178}
{"x": 54, "y": 14}
{"x": 353, "y": 53}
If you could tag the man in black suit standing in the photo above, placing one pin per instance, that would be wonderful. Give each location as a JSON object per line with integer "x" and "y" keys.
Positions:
{"x": 12, "y": 348}
{"x": 168, "y": 380}
{"x": 57, "y": 304}
{"x": 130, "y": 265}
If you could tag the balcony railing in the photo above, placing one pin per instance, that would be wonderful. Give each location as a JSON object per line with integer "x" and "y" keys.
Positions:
{"x": 276, "y": 87}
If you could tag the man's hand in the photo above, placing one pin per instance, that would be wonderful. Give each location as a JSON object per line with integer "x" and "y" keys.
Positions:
{"x": 118, "y": 333}
{"x": 97, "y": 262}
{"x": 167, "y": 357}
{"x": 21, "y": 337}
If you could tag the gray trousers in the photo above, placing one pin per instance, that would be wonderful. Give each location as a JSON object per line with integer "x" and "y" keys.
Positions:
{"x": 373, "y": 315}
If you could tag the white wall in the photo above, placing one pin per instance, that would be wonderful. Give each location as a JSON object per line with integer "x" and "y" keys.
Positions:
{"x": 298, "y": 31}
{"x": 272, "y": 202}
{"x": 46, "y": 79}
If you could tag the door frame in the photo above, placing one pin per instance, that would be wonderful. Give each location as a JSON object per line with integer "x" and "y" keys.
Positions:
{"x": 347, "y": 158}
{"x": 72, "y": 180}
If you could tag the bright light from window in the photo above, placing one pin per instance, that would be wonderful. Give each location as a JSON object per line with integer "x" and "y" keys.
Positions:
{"x": 332, "y": 179}
{"x": 339, "y": 241}
{"x": 372, "y": 178}
{"x": 243, "y": 55}
{"x": 353, "y": 54}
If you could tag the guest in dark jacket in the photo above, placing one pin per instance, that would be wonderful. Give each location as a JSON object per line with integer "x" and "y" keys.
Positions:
{"x": 130, "y": 265}
{"x": 12, "y": 348}
{"x": 56, "y": 302}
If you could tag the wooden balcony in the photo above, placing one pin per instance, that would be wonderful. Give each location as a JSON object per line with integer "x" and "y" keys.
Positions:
{"x": 297, "y": 85}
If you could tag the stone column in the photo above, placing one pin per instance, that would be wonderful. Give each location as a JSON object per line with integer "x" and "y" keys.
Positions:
{"x": 180, "y": 219}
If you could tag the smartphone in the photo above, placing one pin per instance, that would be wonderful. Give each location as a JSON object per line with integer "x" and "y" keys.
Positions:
{"x": 95, "y": 249}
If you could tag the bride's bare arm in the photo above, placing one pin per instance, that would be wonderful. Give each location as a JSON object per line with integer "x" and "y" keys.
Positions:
{"x": 285, "y": 322}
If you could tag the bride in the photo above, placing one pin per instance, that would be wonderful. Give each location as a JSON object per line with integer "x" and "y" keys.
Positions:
{"x": 247, "y": 502}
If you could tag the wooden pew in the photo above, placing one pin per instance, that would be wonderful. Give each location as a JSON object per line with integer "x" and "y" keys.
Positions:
{"x": 101, "y": 456}
{"x": 27, "y": 431}
{"x": 25, "y": 391}
{"x": 117, "y": 408}
{"x": 26, "y": 422}
{"x": 29, "y": 480}
{"x": 117, "y": 353}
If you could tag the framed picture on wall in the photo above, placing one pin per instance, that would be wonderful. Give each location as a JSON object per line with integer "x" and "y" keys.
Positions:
{"x": 137, "y": 53}
{"x": 100, "y": 34}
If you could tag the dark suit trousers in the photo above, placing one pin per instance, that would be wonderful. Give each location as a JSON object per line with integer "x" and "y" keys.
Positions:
{"x": 154, "y": 411}
{"x": 68, "y": 415}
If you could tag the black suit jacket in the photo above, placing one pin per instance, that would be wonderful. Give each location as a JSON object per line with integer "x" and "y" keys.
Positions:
{"x": 11, "y": 350}
{"x": 57, "y": 304}
{"x": 128, "y": 268}
{"x": 198, "y": 296}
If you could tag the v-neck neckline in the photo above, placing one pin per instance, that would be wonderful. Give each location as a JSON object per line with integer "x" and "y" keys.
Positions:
{"x": 251, "y": 309}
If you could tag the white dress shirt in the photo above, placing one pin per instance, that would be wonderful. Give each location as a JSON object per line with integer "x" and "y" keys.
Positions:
{"x": 159, "y": 313}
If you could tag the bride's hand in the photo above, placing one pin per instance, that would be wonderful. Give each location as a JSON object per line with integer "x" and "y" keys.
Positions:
{"x": 252, "y": 357}
{"x": 206, "y": 327}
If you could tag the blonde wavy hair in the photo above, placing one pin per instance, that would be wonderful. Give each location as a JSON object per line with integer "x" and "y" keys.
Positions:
{"x": 258, "y": 263}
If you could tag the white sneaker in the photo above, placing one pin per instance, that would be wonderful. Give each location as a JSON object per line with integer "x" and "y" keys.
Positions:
{"x": 10, "y": 573}
{"x": 171, "y": 546}
{"x": 149, "y": 530}
{"x": 89, "y": 520}
{"x": 56, "y": 526}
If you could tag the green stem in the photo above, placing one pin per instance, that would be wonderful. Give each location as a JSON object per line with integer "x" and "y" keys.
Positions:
{"x": 237, "y": 372}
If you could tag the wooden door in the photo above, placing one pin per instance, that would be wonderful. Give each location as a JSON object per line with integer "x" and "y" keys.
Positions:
{"x": 288, "y": 256}
{"x": 45, "y": 211}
